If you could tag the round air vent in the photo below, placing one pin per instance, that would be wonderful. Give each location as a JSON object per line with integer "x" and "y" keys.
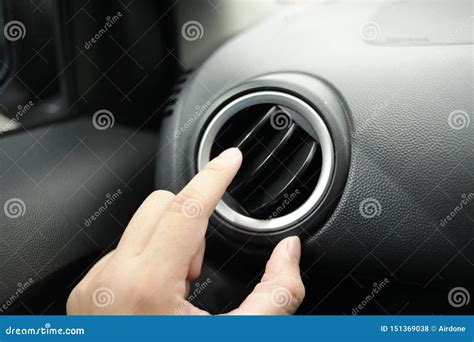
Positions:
{"x": 288, "y": 159}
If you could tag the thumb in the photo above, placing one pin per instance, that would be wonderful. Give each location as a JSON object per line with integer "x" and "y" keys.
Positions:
{"x": 281, "y": 290}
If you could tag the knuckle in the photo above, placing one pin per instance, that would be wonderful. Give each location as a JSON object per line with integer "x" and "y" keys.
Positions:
{"x": 144, "y": 292}
{"x": 295, "y": 288}
{"x": 71, "y": 303}
{"x": 187, "y": 197}
{"x": 161, "y": 195}
{"x": 297, "y": 291}
{"x": 81, "y": 289}
{"x": 77, "y": 295}
{"x": 214, "y": 169}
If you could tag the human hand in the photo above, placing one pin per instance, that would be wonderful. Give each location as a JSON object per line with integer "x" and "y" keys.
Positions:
{"x": 162, "y": 249}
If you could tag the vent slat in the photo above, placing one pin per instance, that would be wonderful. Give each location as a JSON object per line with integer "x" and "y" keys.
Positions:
{"x": 290, "y": 185}
{"x": 252, "y": 132}
{"x": 265, "y": 162}
{"x": 280, "y": 157}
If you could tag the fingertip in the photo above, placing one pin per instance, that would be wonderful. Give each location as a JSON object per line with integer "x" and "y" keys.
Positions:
{"x": 293, "y": 245}
{"x": 289, "y": 247}
{"x": 281, "y": 289}
{"x": 227, "y": 163}
{"x": 232, "y": 153}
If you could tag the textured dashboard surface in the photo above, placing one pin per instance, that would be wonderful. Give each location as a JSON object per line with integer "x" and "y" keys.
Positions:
{"x": 412, "y": 124}
{"x": 55, "y": 179}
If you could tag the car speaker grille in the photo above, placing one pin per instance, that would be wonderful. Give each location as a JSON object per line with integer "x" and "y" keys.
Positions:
{"x": 287, "y": 157}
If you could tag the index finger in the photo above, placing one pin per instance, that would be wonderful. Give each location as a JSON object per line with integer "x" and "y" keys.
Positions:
{"x": 183, "y": 226}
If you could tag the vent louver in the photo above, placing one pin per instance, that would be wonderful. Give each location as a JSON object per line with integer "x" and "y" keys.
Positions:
{"x": 281, "y": 161}
{"x": 288, "y": 159}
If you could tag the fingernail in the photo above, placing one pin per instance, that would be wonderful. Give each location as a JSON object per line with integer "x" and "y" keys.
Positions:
{"x": 294, "y": 248}
{"x": 231, "y": 153}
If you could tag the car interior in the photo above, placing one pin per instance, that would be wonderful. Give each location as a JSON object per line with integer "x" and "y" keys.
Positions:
{"x": 355, "y": 119}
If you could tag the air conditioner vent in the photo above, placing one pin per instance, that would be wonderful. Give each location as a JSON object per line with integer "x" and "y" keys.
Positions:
{"x": 288, "y": 159}
{"x": 282, "y": 161}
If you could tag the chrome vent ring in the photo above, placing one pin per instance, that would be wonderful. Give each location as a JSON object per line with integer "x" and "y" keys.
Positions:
{"x": 279, "y": 117}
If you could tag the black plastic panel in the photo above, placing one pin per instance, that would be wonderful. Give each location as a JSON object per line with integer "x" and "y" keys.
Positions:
{"x": 408, "y": 156}
{"x": 75, "y": 188}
